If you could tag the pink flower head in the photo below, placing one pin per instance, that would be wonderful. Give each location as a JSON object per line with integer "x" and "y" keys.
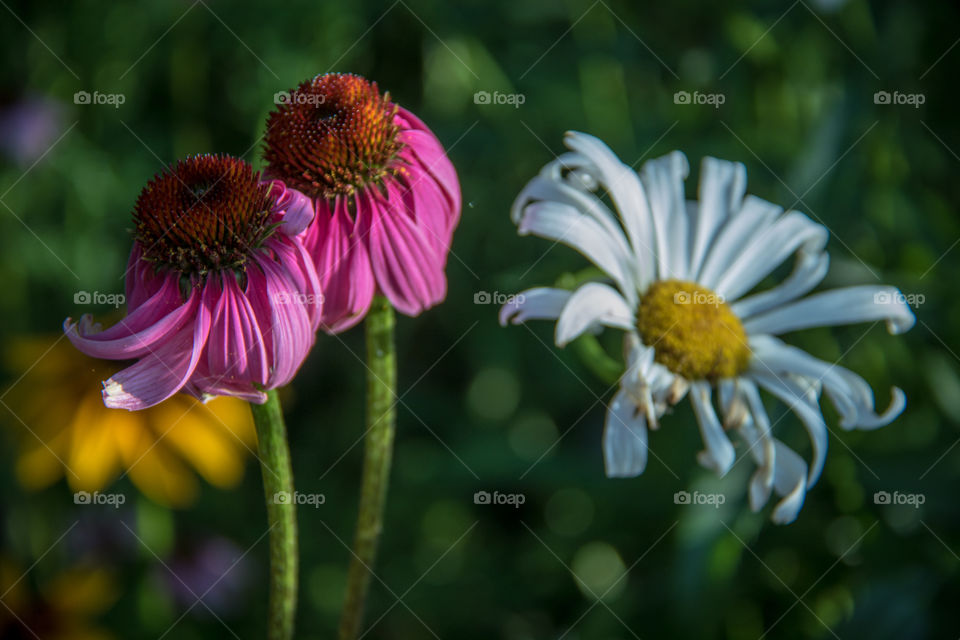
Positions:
{"x": 386, "y": 196}
{"x": 222, "y": 297}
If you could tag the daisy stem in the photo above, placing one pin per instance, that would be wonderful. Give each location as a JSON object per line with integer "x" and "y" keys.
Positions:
{"x": 274, "y": 454}
{"x": 378, "y": 452}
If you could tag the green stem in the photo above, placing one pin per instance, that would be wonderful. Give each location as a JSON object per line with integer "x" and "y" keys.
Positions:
{"x": 274, "y": 454}
{"x": 378, "y": 452}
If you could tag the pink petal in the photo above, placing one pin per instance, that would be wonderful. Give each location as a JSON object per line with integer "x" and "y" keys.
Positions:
{"x": 296, "y": 208}
{"x": 285, "y": 317}
{"x": 342, "y": 264}
{"x": 407, "y": 268}
{"x": 235, "y": 350}
{"x": 152, "y": 323}
{"x": 142, "y": 279}
{"x": 165, "y": 370}
{"x": 431, "y": 155}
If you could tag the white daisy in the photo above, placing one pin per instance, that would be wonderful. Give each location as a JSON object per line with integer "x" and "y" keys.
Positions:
{"x": 681, "y": 272}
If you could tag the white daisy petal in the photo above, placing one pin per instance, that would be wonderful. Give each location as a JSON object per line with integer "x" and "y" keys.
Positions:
{"x": 537, "y": 189}
{"x": 808, "y": 272}
{"x": 790, "y": 482}
{"x": 809, "y": 413}
{"x": 719, "y": 454}
{"x": 626, "y": 191}
{"x": 768, "y": 249}
{"x": 624, "y": 439}
{"x": 850, "y": 393}
{"x": 563, "y": 223}
{"x": 591, "y": 305}
{"x": 541, "y": 303}
{"x": 663, "y": 181}
{"x": 756, "y": 434}
{"x": 722, "y": 185}
{"x": 762, "y": 482}
{"x": 754, "y": 216}
{"x": 569, "y": 192}
{"x": 849, "y": 305}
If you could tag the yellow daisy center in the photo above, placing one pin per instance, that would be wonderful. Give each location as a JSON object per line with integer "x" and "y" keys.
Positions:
{"x": 692, "y": 331}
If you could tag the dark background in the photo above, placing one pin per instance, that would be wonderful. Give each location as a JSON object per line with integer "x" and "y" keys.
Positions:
{"x": 486, "y": 408}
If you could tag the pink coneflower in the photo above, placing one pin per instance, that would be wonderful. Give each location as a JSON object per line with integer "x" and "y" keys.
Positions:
{"x": 386, "y": 197}
{"x": 222, "y": 298}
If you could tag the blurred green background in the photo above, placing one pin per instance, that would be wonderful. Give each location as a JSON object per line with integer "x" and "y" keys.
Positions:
{"x": 485, "y": 408}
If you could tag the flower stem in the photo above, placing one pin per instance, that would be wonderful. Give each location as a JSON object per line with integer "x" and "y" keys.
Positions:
{"x": 378, "y": 452}
{"x": 274, "y": 454}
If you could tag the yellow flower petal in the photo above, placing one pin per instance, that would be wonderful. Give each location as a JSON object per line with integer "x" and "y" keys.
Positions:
{"x": 199, "y": 436}
{"x": 93, "y": 459}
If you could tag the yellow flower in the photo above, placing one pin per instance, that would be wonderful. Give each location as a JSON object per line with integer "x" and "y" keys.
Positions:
{"x": 60, "y": 608}
{"x": 65, "y": 430}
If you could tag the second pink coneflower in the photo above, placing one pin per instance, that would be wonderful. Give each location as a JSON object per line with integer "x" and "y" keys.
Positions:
{"x": 386, "y": 197}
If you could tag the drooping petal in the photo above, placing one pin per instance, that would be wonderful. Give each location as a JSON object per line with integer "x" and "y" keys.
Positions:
{"x": 809, "y": 414}
{"x": 850, "y": 393}
{"x": 541, "y": 303}
{"x": 591, "y": 305}
{"x": 284, "y": 316}
{"x": 236, "y": 351}
{"x": 761, "y": 483}
{"x": 428, "y": 150}
{"x": 624, "y": 439}
{"x": 164, "y": 371}
{"x": 299, "y": 275}
{"x": 342, "y": 266}
{"x": 406, "y": 265}
{"x": 424, "y": 202}
{"x": 790, "y": 483}
{"x": 141, "y": 332}
{"x": 849, "y": 305}
{"x": 719, "y": 454}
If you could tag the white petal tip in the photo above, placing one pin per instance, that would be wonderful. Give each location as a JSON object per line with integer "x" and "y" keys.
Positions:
{"x": 115, "y": 397}
{"x": 719, "y": 466}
